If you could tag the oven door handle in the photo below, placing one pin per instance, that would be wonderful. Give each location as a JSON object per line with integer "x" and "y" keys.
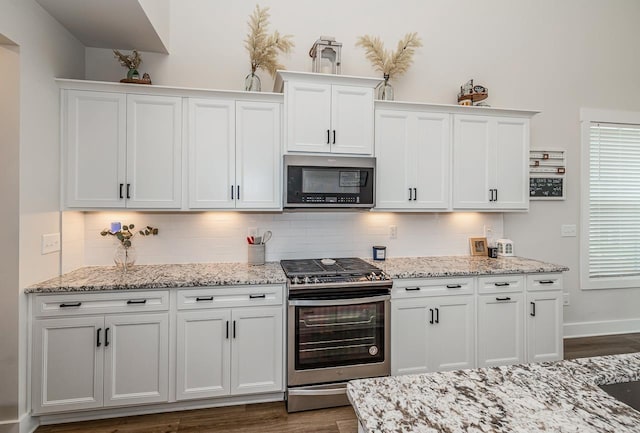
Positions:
{"x": 329, "y": 302}
{"x": 331, "y": 391}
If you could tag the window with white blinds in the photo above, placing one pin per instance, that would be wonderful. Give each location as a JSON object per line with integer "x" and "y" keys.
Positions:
{"x": 613, "y": 244}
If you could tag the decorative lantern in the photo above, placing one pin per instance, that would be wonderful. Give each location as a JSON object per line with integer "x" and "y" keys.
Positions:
{"x": 326, "y": 55}
{"x": 505, "y": 248}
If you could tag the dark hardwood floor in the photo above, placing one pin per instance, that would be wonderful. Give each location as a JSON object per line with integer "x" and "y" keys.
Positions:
{"x": 273, "y": 417}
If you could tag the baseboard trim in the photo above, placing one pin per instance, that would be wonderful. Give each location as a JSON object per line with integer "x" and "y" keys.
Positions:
{"x": 157, "y": 408}
{"x": 25, "y": 424}
{"x": 604, "y": 327}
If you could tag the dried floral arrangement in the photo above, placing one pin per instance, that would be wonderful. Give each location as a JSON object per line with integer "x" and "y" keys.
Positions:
{"x": 263, "y": 48}
{"x": 131, "y": 61}
{"x": 391, "y": 64}
{"x": 125, "y": 234}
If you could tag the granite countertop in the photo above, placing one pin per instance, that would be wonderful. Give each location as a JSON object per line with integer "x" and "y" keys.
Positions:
{"x": 96, "y": 278}
{"x": 548, "y": 397}
{"x": 449, "y": 266}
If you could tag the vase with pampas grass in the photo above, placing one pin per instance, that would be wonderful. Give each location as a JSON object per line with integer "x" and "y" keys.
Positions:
{"x": 263, "y": 48}
{"x": 391, "y": 64}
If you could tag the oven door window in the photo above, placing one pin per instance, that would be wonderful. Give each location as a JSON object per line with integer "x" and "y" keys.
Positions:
{"x": 340, "y": 335}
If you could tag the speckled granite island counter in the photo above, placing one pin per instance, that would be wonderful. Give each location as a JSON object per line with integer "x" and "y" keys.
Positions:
{"x": 97, "y": 278}
{"x": 548, "y": 397}
{"x": 447, "y": 266}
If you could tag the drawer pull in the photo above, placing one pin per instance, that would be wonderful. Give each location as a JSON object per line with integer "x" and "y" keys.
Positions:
{"x": 454, "y": 286}
{"x": 506, "y": 298}
{"x": 71, "y": 304}
{"x": 261, "y": 296}
{"x": 533, "y": 309}
{"x": 437, "y": 315}
{"x": 412, "y": 289}
{"x": 136, "y": 301}
{"x": 501, "y": 284}
{"x": 106, "y": 337}
{"x": 98, "y": 342}
{"x": 546, "y": 282}
{"x": 431, "y": 312}
{"x": 204, "y": 298}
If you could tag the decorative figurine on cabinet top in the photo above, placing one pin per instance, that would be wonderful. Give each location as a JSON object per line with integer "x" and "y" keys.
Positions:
{"x": 132, "y": 63}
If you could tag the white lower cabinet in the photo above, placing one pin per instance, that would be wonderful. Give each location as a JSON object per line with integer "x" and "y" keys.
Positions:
{"x": 432, "y": 334}
{"x": 500, "y": 329}
{"x": 544, "y": 318}
{"x": 85, "y": 361}
{"x": 229, "y": 351}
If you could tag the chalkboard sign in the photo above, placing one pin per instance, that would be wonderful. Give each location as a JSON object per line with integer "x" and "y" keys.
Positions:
{"x": 551, "y": 188}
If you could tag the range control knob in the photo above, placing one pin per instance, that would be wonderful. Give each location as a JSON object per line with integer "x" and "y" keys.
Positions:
{"x": 295, "y": 280}
{"x": 372, "y": 276}
{"x": 316, "y": 280}
{"x": 307, "y": 280}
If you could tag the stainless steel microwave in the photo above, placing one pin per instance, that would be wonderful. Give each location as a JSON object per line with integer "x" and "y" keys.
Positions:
{"x": 329, "y": 181}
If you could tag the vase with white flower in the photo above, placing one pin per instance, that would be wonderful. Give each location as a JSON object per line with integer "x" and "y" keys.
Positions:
{"x": 125, "y": 255}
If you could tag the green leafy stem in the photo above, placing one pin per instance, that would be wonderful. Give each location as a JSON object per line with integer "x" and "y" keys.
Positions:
{"x": 125, "y": 234}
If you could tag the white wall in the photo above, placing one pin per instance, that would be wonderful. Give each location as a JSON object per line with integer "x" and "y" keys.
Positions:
{"x": 554, "y": 56}
{"x": 221, "y": 236}
{"x": 46, "y": 51}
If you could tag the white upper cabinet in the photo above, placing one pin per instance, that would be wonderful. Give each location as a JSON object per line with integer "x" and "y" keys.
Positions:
{"x": 490, "y": 157}
{"x": 154, "y": 151}
{"x": 258, "y": 155}
{"x": 122, "y": 150}
{"x": 413, "y": 160}
{"x": 212, "y": 153}
{"x": 95, "y": 151}
{"x": 327, "y": 113}
{"x": 235, "y": 154}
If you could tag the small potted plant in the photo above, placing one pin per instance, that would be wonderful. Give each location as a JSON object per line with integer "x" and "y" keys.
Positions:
{"x": 125, "y": 255}
{"x": 131, "y": 62}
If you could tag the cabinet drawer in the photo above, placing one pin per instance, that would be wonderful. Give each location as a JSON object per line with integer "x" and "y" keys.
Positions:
{"x": 225, "y": 297}
{"x": 72, "y": 304}
{"x": 414, "y": 288}
{"x": 500, "y": 283}
{"x": 544, "y": 282}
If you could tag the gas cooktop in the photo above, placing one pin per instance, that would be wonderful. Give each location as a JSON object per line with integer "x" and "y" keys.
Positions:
{"x": 333, "y": 273}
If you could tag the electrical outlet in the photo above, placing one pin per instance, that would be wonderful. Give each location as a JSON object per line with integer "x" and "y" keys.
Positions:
{"x": 393, "y": 232}
{"x": 252, "y": 231}
{"x": 488, "y": 231}
{"x": 50, "y": 243}
{"x": 565, "y": 299}
{"x": 568, "y": 230}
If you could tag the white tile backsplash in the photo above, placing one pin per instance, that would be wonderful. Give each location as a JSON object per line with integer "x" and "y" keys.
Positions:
{"x": 221, "y": 236}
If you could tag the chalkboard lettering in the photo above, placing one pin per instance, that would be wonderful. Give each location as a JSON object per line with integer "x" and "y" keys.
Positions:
{"x": 546, "y": 187}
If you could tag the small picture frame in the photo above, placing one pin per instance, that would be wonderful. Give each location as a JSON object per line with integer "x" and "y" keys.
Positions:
{"x": 478, "y": 246}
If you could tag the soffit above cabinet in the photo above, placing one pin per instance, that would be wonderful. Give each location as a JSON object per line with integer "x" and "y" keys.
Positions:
{"x": 121, "y": 24}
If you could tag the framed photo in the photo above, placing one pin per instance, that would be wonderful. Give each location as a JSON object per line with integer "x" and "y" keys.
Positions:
{"x": 478, "y": 246}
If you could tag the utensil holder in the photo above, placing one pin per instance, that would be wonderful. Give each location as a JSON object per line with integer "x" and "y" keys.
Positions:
{"x": 255, "y": 254}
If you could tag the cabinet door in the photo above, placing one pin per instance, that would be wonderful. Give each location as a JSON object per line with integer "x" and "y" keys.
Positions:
{"x": 544, "y": 326}
{"x": 351, "y": 120}
{"x": 258, "y": 156}
{"x": 203, "y": 354}
{"x": 308, "y": 117}
{"x": 154, "y": 146}
{"x": 500, "y": 329}
{"x": 256, "y": 350}
{"x": 136, "y": 367}
{"x": 431, "y": 160}
{"x": 393, "y": 158}
{"x": 212, "y": 144}
{"x": 409, "y": 326}
{"x": 94, "y": 137}
{"x": 511, "y": 164}
{"x": 67, "y": 364}
{"x": 452, "y": 335}
{"x": 472, "y": 152}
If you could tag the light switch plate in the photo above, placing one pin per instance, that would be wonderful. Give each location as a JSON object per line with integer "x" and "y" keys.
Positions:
{"x": 50, "y": 243}
{"x": 568, "y": 230}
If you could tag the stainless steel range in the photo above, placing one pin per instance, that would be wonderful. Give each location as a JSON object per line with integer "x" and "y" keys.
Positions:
{"x": 338, "y": 329}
